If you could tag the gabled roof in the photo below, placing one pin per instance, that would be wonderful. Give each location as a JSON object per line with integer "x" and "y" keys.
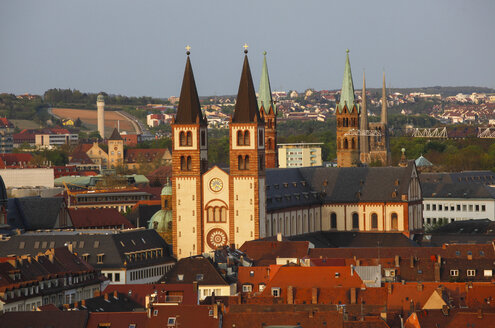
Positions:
{"x": 16, "y": 158}
{"x": 144, "y": 155}
{"x": 246, "y": 106}
{"x": 265, "y": 92}
{"x": 98, "y": 218}
{"x": 114, "y": 302}
{"x": 138, "y": 292}
{"x": 189, "y": 109}
{"x": 189, "y": 269}
{"x": 33, "y": 213}
{"x": 115, "y": 135}
{"x": 267, "y": 252}
{"x": 117, "y": 319}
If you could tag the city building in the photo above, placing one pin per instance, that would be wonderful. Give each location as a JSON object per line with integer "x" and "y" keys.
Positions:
{"x": 449, "y": 197}
{"x": 50, "y": 138}
{"x": 299, "y": 154}
{"x": 53, "y": 276}
{"x": 115, "y": 150}
{"x": 360, "y": 142}
{"x": 6, "y": 135}
{"x": 132, "y": 256}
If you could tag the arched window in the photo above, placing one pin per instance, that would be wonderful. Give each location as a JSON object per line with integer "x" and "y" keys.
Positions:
{"x": 346, "y": 143}
{"x": 261, "y": 140}
{"x": 182, "y": 138}
{"x": 246, "y": 138}
{"x": 246, "y": 162}
{"x": 183, "y": 166}
{"x": 333, "y": 220}
{"x": 189, "y": 163}
{"x": 355, "y": 221}
{"x": 374, "y": 221}
{"x": 189, "y": 138}
{"x": 394, "y": 221}
{"x": 353, "y": 143}
{"x": 240, "y": 138}
{"x": 216, "y": 214}
{"x": 240, "y": 163}
{"x": 203, "y": 138}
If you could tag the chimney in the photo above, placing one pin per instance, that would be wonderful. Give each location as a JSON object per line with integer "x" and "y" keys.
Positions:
{"x": 437, "y": 271}
{"x": 76, "y": 305}
{"x": 115, "y": 295}
{"x": 50, "y": 257}
{"x": 195, "y": 286}
{"x": 105, "y": 297}
{"x": 411, "y": 262}
{"x": 358, "y": 262}
{"x": 439, "y": 259}
{"x": 66, "y": 306}
{"x": 215, "y": 311}
{"x": 69, "y": 246}
{"x": 480, "y": 314}
{"x": 397, "y": 261}
{"x": 83, "y": 303}
{"x": 279, "y": 236}
{"x": 96, "y": 293}
{"x": 290, "y": 295}
{"x": 314, "y": 295}
{"x": 389, "y": 288}
{"x": 420, "y": 287}
{"x": 353, "y": 295}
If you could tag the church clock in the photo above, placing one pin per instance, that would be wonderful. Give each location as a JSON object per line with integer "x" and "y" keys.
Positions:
{"x": 216, "y": 184}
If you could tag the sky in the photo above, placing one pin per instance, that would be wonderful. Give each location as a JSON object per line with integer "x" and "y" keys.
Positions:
{"x": 137, "y": 48}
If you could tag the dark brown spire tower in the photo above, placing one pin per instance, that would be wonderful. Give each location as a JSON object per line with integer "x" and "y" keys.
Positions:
{"x": 247, "y": 162}
{"x": 189, "y": 161}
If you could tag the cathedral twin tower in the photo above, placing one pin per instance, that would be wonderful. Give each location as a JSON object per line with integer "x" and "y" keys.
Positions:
{"x": 360, "y": 142}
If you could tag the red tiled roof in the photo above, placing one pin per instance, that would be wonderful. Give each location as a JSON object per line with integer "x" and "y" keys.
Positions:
{"x": 15, "y": 158}
{"x": 146, "y": 155}
{"x": 117, "y": 319}
{"x": 267, "y": 252}
{"x": 97, "y": 218}
{"x": 185, "y": 316}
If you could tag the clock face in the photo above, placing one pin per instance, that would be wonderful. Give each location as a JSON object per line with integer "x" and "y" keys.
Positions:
{"x": 216, "y": 184}
{"x": 216, "y": 238}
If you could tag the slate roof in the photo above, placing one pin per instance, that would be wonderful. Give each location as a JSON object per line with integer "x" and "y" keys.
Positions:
{"x": 114, "y": 302}
{"x": 98, "y": 218}
{"x": 44, "y": 319}
{"x": 115, "y": 135}
{"x": 33, "y": 213}
{"x": 138, "y": 292}
{"x": 112, "y": 243}
{"x": 246, "y": 107}
{"x": 294, "y": 187}
{"x": 457, "y": 190}
{"x": 142, "y": 213}
{"x": 485, "y": 177}
{"x": 189, "y": 109}
{"x": 189, "y": 268}
{"x": 327, "y": 239}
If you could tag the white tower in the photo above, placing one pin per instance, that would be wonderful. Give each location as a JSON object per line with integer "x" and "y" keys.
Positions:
{"x": 100, "y": 103}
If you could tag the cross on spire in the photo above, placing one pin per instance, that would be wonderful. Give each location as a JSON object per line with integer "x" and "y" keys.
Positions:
{"x": 245, "y": 46}
{"x": 188, "y": 49}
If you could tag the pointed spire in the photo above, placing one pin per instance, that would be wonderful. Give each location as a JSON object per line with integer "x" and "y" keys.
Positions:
{"x": 265, "y": 91}
{"x": 347, "y": 93}
{"x": 363, "y": 124}
{"x": 115, "y": 135}
{"x": 246, "y": 106}
{"x": 189, "y": 110}
{"x": 384, "y": 117}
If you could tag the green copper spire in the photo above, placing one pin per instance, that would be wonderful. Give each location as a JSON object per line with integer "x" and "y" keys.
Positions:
{"x": 265, "y": 91}
{"x": 347, "y": 93}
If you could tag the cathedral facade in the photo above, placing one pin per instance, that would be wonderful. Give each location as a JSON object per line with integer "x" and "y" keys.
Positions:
{"x": 359, "y": 142}
{"x": 216, "y": 207}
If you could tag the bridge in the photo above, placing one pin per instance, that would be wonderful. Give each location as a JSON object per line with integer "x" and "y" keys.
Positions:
{"x": 486, "y": 132}
{"x": 430, "y": 133}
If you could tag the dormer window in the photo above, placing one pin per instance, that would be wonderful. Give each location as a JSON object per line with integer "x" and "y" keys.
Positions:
{"x": 199, "y": 277}
{"x": 180, "y": 277}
